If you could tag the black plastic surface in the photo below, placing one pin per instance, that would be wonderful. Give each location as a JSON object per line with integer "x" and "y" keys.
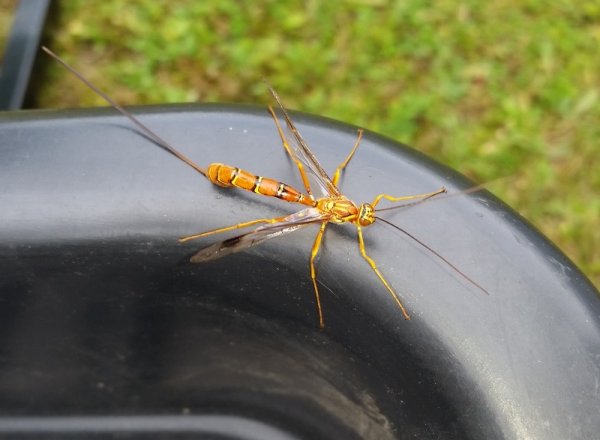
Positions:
{"x": 106, "y": 329}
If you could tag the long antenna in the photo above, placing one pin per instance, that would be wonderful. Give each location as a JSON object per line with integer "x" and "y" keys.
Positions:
{"x": 460, "y": 272}
{"x": 155, "y": 137}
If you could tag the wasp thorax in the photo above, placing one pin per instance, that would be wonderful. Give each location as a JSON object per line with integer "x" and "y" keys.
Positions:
{"x": 366, "y": 214}
{"x": 341, "y": 209}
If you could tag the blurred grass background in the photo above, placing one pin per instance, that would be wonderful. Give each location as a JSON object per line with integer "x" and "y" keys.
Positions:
{"x": 493, "y": 89}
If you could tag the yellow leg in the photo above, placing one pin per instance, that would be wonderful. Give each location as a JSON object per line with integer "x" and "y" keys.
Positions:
{"x": 344, "y": 164}
{"x": 398, "y": 199}
{"x": 361, "y": 245}
{"x": 292, "y": 155}
{"x": 313, "y": 272}
{"x": 230, "y": 228}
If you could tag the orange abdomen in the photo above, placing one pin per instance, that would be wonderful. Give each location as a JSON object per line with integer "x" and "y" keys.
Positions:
{"x": 228, "y": 176}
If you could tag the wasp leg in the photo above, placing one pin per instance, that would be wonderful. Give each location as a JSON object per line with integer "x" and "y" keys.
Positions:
{"x": 230, "y": 228}
{"x": 344, "y": 164}
{"x": 363, "y": 252}
{"x": 313, "y": 272}
{"x": 399, "y": 199}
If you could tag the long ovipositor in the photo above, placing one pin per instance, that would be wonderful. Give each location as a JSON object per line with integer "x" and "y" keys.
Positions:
{"x": 228, "y": 176}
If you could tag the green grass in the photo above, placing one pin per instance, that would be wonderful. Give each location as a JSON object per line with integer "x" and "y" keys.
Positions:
{"x": 504, "y": 88}
{"x": 7, "y": 10}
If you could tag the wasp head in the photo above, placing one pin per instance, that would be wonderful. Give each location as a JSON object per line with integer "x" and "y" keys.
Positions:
{"x": 366, "y": 214}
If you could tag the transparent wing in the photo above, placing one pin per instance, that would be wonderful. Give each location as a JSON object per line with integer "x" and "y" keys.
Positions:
{"x": 303, "y": 153}
{"x": 262, "y": 233}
